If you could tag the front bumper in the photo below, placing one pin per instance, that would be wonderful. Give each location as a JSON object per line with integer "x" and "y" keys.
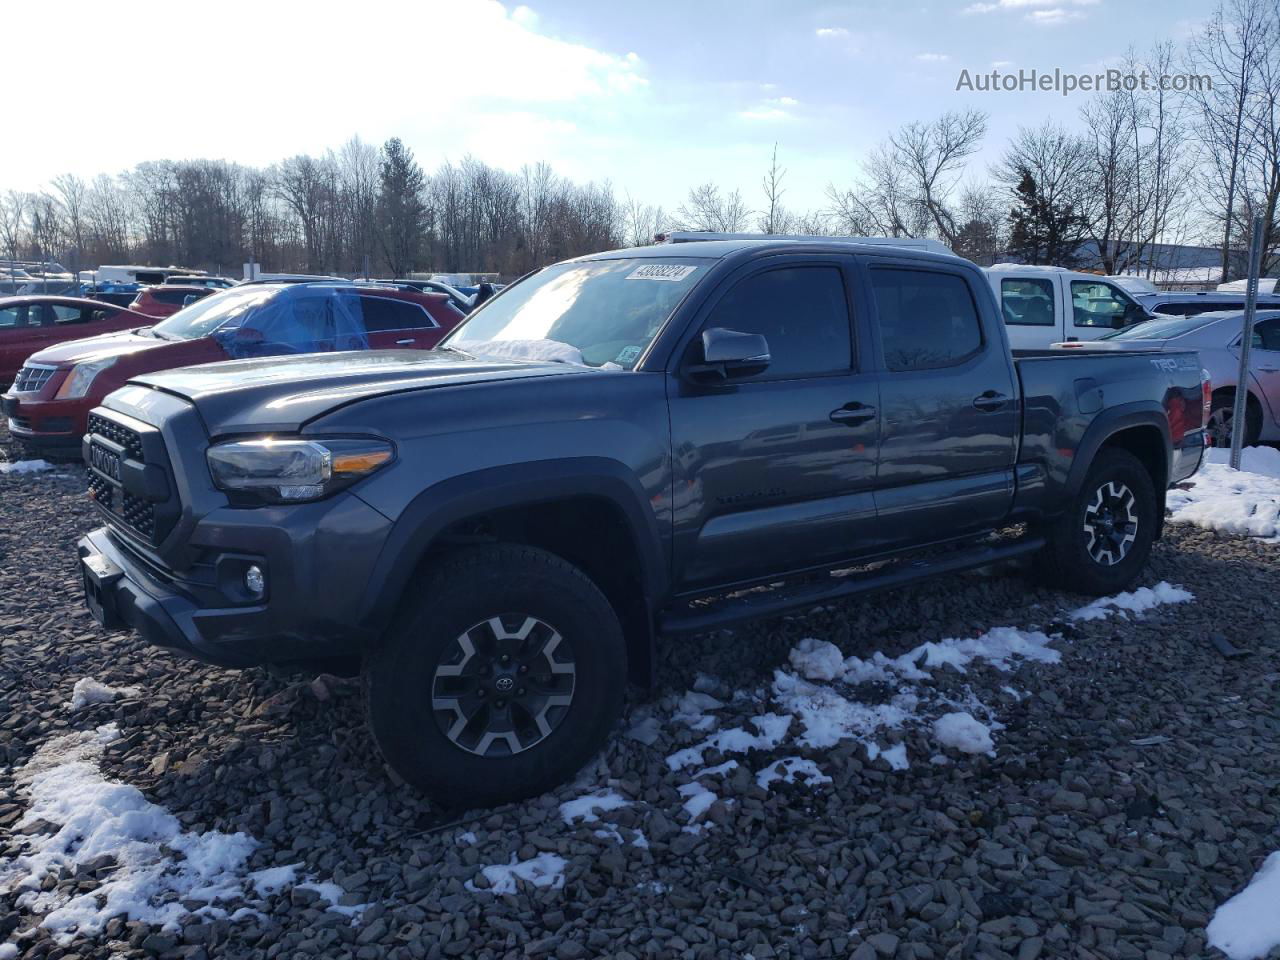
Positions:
{"x": 310, "y": 610}
{"x": 53, "y": 425}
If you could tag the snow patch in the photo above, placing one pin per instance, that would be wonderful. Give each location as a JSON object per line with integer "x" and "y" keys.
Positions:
{"x": 155, "y": 865}
{"x": 1247, "y": 926}
{"x": 98, "y": 818}
{"x": 89, "y": 691}
{"x": 588, "y": 808}
{"x": 20, "y": 467}
{"x": 964, "y": 732}
{"x": 552, "y": 350}
{"x": 1245, "y": 501}
{"x": 645, "y": 730}
{"x": 1138, "y": 601}
{"x": 467, "y": 839}
{"x": 544, "y": 870}
{"x": 771, "y": 727}
{"x": 698, "y": 799}
{"x": 788, "y": 768}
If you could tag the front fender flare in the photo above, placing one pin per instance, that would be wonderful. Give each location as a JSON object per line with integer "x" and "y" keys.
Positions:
{"x": 522, "y": 484}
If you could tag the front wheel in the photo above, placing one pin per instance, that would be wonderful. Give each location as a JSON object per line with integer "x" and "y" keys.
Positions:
{"x": 502, "y": 676}
{"x": 1100, "y": 545}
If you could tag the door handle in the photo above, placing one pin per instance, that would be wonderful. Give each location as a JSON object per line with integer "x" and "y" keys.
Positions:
{"x": 405, "y": 343}
{"x": 990, "y": 400}
{"x": 852, "y": 414}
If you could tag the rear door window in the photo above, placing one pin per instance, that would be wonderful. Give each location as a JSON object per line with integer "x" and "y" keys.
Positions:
{"x": 385, "y": 313}
{"x": 1027, "y": 302}
{"x": 64, "y": 314}
{"x": 13, "y": 317}
{"x": 927, "y": 318}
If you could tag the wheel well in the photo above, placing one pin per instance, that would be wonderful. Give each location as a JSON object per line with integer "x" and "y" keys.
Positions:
{"x": 1148, "y": 445}
{"x": 593, "y": 534}
{"x": 1225, "y": 393}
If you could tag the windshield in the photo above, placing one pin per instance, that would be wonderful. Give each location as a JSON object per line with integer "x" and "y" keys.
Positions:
{"x": 1160, "y": 329}
{"x": 214, "y": 311}
{"x": 602, "y": 313}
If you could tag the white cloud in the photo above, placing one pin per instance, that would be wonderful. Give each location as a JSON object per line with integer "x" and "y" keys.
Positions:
{"x": 784, "y": 101}
{"x": 764, "y": 113}
{"x": 1001, "y": 64}
{"x": 1056, "y": 13}
{"x": 933, "y": 57}
{"x": 1054, "y": 17}
{"x": 831, "y": 32}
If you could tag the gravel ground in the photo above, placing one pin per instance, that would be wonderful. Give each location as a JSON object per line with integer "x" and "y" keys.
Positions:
{"x": 1134, "y": 785}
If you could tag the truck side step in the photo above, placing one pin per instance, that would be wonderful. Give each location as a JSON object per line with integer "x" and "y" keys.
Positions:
{"x": 691, "y": 618}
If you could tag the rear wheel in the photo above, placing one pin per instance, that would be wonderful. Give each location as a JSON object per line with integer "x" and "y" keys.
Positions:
{"x": 500, "y": 678}
{"x": 1222, "y": 418}
{"x": 1101, "y": 544}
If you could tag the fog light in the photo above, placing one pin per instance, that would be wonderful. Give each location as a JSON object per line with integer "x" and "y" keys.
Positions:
{"x": 255, "y": 581}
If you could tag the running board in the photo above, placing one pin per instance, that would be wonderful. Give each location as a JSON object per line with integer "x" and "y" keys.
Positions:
{"x": 785, "y": 599}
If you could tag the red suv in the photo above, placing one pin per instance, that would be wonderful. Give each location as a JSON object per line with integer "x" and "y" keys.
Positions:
{"x": 48, "y": 408}
{"x": 28, "y": 324}
{"x": 168, "y": 299}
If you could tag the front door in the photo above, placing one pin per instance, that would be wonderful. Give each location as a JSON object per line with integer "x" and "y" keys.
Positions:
{"x": 948, "y": 413}
{"x": 774, "y": 472}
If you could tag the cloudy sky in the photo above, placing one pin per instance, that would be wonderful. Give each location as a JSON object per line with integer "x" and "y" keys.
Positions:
{"x": 653, "y": 97}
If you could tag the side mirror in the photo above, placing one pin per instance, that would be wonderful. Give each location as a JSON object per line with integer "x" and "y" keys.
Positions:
{"x": 729, "y": 354}
{"x": 485, "y": 292}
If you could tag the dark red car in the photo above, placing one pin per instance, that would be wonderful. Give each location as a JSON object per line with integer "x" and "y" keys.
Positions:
{"x": 167, "y": 299}
{"x": 31, "y": 323}
{"x": 60, "y": 385}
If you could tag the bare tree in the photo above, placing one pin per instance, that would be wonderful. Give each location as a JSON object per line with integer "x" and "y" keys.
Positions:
{"x": 72, "y": 192}
{"x": 708, "y": 209}
{"x": 934, "y": 155}
{"x": 13, "y": 214}
{"x": 641, "y": 222}
{"x": 1234, "y": 44}
{"x": 774, "y": 218}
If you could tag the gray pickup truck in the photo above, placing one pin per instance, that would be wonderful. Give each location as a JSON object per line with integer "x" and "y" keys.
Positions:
{"x": 609, "y": 452}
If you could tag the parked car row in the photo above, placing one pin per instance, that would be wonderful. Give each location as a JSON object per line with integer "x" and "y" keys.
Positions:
{"x": 60, "y": 382}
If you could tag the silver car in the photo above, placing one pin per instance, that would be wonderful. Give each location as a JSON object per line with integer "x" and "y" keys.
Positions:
{"x": 1217, "y": 338}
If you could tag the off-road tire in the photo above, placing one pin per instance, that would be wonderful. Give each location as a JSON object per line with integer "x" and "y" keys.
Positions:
{"x": 402, "y": 674}
{"x": 1067, "y": 563}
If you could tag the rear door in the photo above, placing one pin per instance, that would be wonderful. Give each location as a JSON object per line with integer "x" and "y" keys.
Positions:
{"x": 1264, "y": 363}
{"x": 774, "y": 472}
{"x": 398, "y": 324}
{"x": 948, "y": 408}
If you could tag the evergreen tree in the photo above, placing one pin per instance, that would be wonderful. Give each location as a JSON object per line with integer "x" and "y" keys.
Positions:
{"x": 1041, "y": 231}
{"x": 402, "y": 209}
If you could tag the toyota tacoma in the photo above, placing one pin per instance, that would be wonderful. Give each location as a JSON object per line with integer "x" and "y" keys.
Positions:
{"x": 619, "y": 448}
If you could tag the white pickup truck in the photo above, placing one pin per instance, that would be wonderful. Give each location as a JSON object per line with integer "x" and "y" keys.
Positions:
{"x": 1047, "y": 305}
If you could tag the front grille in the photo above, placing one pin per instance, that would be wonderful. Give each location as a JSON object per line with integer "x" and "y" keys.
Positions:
{"x": 32, "y": 378}
{"x": 131, "y": 440}
{"x": 144, "y": 517}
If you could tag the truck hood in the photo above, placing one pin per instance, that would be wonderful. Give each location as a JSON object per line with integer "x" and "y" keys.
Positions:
{"x": 284, "y": 393}
{"x": 96, "y": 348}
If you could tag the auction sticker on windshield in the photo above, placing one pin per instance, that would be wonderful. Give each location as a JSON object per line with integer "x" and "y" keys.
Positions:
{"x": 660, "y": 271}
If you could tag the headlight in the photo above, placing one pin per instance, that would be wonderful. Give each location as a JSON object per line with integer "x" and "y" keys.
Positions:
{"x": 267, "y": 470}
{"x": 81, "y": 378}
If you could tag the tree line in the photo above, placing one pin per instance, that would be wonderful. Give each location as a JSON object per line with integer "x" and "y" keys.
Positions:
{"x": 1143, "y": 169}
